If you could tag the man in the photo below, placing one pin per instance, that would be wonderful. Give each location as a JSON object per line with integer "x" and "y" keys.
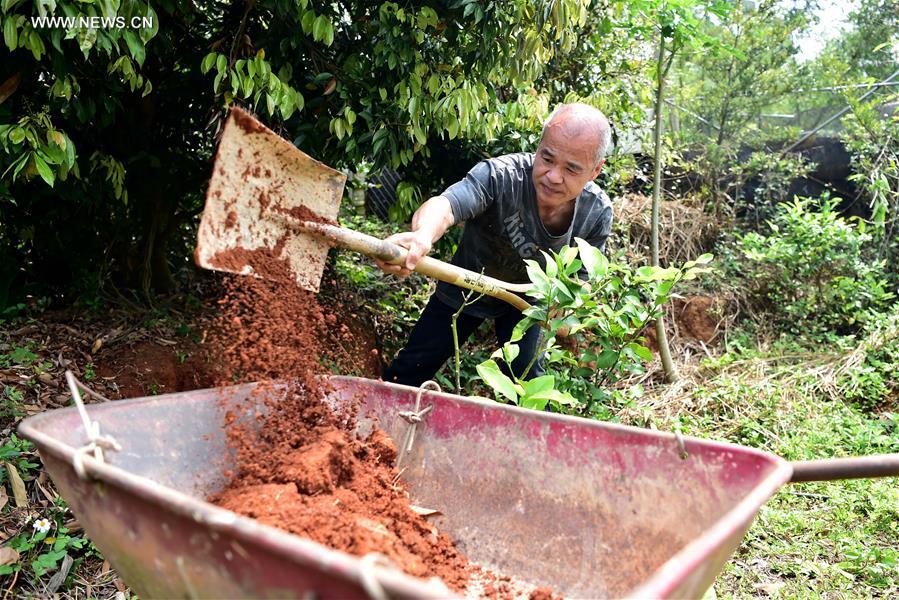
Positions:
{"x": 513, "y": 206}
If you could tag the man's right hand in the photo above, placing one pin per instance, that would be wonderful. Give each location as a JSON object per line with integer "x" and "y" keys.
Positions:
{"x": 418, "y": 244}
{"x": 429, "y": 223}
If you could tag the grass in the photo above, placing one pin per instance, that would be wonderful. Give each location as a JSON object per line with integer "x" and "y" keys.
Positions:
{"x": 815, "y": 540}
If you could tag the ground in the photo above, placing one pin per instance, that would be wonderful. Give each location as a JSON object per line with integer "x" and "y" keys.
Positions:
{"x": 825, "y": 540}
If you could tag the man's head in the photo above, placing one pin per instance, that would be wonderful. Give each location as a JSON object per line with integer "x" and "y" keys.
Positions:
{"x": 571, "y": 152}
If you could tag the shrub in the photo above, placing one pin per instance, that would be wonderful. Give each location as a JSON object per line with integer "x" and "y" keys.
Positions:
{"x": 811, "y": 272}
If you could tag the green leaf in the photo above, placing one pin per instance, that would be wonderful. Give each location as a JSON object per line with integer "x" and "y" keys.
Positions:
{"x": 641, "y": 351}
{"x": 533, "y": 402}
{"x": 496, "y": 379}
{"x": 44, "y": 169}
{"x": 307, "y": 21}
{"x": 606, "y": 359}
{"x": 207, "y": 63}
{"x": 593, "y": 260}
{"x": 510, "y": 352}
{"x": 10, "y": 33}
{"x": 138, "y": 52}
{"x": 318, "y": 28}
{"x": 17, "y": 135}
{"x": 221, "y": 63}
{"x": 147, "y": 34}
{"x": 543, "y": 383}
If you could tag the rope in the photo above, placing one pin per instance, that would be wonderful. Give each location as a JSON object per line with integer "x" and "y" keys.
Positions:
{"x": 96, "y": 442}
{"x": 681, "y": 446}
{"x": 414, "y": 417}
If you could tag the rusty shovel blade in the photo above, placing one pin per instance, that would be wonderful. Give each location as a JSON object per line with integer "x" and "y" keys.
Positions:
{"x": 258, "y": 178}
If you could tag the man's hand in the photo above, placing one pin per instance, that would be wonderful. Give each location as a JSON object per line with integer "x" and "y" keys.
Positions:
{"x": 416, "y": 242}
{"x": 429, "y": 223}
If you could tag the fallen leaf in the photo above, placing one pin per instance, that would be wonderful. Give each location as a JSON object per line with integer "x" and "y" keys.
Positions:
{"x": 46, "y": 378}
{"x": 18, "y": 486}
{"x": 119, "y": 585}
{"x": 4, "y": 498}
{"x": 105, "y": 568}
{"x": 60, "y": 575}
{"x": 8, "y": 556}
{"x": 47, "y": 495}
{"x": 425, "y": 512}
{"x": 72, "y": 525}
{"x": 98, "y": 343}
{"x": 771, "y": 588}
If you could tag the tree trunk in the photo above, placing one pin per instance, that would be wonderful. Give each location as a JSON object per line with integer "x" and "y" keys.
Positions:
{"x": 664, "y": 350}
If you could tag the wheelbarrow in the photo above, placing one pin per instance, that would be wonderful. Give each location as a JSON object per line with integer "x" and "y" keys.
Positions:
{"x": 590, "y": 509}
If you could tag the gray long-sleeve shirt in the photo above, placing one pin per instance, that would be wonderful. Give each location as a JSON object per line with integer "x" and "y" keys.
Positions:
{"x": 498, "y": 203}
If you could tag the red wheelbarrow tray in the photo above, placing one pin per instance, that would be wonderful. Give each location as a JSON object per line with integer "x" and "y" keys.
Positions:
{"x": 590, "y": 509}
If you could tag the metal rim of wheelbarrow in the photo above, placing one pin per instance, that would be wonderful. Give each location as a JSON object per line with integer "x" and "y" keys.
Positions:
{"x": 302, "y": 550}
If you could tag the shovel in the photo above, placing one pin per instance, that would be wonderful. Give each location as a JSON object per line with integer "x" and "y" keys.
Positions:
{"x": 271, "y": 212}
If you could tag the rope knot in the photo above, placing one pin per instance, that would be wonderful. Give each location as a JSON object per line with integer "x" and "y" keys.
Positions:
{"x": 414, "y": 417}
{"x": 96, "y": 442}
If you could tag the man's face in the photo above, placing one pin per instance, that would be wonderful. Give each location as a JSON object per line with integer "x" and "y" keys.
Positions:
{"x": 563, "y": 165}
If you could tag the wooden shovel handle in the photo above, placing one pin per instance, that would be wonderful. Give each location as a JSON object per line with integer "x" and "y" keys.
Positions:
{"x": 392, "y": 253}
{"x": 881, "y": 465}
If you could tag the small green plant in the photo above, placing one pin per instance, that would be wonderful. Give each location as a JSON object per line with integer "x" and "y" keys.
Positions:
{"x": 45, "y": 542}
{"x": 20, "y": 356}
{"x": 18, "y": 453}
{"x": 601, "y": 309}
{"x": 468, "y": 299}
{"x": 11, "y": 403}
{"x": 869, "y": 375}
{"x": 89, "y": 373}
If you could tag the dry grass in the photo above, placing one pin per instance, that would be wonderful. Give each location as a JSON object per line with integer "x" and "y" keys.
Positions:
{"x": 685, "y": 231}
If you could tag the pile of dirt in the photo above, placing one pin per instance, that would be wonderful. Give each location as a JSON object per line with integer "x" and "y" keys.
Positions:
{"x": 302, "y": 468}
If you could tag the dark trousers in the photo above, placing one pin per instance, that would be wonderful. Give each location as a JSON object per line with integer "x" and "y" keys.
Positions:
{"x": 431, "y": 343}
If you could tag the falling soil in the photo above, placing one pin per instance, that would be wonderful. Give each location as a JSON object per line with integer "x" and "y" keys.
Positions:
{"x": 300, "y": 467}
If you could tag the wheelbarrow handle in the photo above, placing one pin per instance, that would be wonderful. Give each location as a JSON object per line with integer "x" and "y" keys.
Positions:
{"x": 394, "y": 254}
{"x": 830, "y": 469}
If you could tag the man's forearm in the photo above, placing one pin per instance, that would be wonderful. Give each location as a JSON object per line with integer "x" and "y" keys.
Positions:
{"x": 433, "y": 217}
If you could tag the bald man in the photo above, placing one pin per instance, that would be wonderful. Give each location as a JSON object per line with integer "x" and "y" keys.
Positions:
{"x": 513, "y": 206}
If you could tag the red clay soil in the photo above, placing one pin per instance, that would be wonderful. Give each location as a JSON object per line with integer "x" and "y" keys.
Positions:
{"x": 303, "y": 469}
{"x": 696, "y": 318}
{"x": 147, "y": 368}
{"x": 304, "y": 213}
{"x": 247, "y": 122}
